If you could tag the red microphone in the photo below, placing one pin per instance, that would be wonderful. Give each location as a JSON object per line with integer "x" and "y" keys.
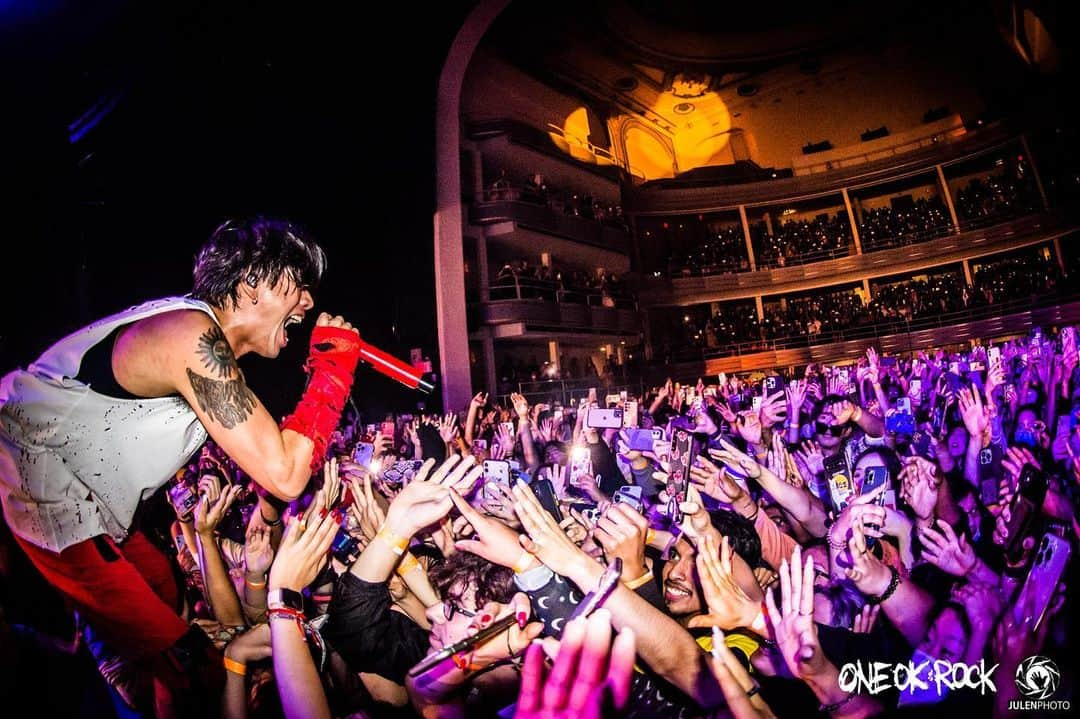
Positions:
{"x": 394, "y": 368}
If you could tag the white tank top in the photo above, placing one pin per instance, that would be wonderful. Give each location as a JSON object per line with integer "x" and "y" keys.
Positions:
{"x": 74, "y": 463}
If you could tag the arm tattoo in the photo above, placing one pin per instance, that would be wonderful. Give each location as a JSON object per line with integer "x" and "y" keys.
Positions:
{"x": 229, "y": 401}
{"x": 216, "y": 353}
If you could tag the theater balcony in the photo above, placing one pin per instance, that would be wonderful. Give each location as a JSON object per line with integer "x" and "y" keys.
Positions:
{"x": 537, "y": 309}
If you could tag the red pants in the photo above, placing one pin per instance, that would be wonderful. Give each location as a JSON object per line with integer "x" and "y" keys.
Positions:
{"x": 128, "y": 594}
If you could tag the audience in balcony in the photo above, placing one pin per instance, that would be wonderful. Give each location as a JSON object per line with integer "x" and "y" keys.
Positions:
{"x": 1009, "y": 193}
{"x": 800, "y": 241}
{"x": 567, "y": 201}
{"x": 724, "y": 251}
{"x": 1031, "y": 275}
{"x": 520, "y": 279}
{"x": 884, "y": 227}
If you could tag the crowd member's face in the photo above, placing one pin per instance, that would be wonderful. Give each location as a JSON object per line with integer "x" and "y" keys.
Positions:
{"x": 461, "y": 610}
{"x": 277, "y": 304}
{"x": 680, "y": 581}
{"x": 1027, "y": 422}
{"x": 779, "y": 518}
{"x": 946, "y": 638}
{"x": 970, "y": 507}
{"x": 826, "y": 439}
{"x": 957, "y": 442}
{"x": 867, "y": 461}
{"x": 820, "y": 555}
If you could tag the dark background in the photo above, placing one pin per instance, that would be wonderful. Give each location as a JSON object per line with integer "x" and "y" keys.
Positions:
{"x": 318, "y": 115}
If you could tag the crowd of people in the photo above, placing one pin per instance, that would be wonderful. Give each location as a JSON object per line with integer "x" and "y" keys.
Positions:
{"x": 999, "y": 196}
{"x": 521, "y": 279}
{"x": 1029, "y": 275}
{"x": 884, "y": 227}
{"x": 537, "y": 190}
{"x": 753, "y": 543}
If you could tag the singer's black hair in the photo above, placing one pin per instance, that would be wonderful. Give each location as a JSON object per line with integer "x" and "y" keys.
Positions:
{"x": 253, "y": 250}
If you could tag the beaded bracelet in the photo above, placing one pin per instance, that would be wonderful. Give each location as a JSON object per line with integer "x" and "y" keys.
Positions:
{"x": 830, "y": 708}
{"x": 894, "y": 582}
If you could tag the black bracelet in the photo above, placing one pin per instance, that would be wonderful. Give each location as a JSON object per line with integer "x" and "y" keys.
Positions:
{"x": 830, "y": 708}
{"x": 275, "y": 523}
{"x": 894, "y": 582}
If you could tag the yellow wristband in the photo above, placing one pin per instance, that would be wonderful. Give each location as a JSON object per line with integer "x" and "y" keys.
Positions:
{"x": 524, "y": 563}
{"x": 255, "y": 585}
{"x": 231, "y": 665}
{"x": 650, "y": 535}
{"x": 643, "y": 579}
{"x": 393, "y": 540}
{"x": 408, "y": 563}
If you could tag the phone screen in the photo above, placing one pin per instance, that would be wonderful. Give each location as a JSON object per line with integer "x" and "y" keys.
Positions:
{"x": 1047, "y": 568}
{"x": 841, "y": 489}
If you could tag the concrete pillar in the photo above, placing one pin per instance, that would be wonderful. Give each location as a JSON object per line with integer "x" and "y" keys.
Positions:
{"x": 553, "y": 352}
{"x": 851, "y": 219}
{"x": 1057, "y": 253}
{"x": 948, "y": 198}
{"x": 491, "y": 373}
{"x": 1035, "y": 172}
{"x": 453, "y": 331}
{"x": 478, "y": 174}
{"x": 545, "y": 259}
{"x": 866, "y": 289}
{"x": 482, "y": 268}
{"x": 760, "y": 307}
{"x": 768, "y": 223}
{"x": 746, "y": 236}
{"x": 967, "y": 273}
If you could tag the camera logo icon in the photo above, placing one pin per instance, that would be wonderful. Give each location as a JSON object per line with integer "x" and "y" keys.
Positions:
{"x": 1037, "y": 678}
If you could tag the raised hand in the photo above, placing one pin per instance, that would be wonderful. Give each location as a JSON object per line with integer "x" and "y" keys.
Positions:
{"x": 714, "y": 481}
{"x": 491, "y": 539}
{"x": 919, "y": 486}
{"x": 748, "y": 425}
{"x": 739, "y": 688}
{"x": 545, "y": 540}
{"x": 976, "y": 417}
{"x": 448, "y": 428}
{"x": 426, "y": 499}
{"x": 211, "y": 507}
{"x": 869, "y": 574}
{"x": 729, "y": 606}
{"x": 812, "y": 456}
{"x": 864, "y": 620}
{"x": 793, "y": 621}
{"x": 621, "y": 532}
{"x": 773, "y": 409}
{"x": 258, "y": 551}
{"x": 736, "y": 459}
{"x": 946, "y": 551}
{"x": 795, "y": 393}
{"x": 479, "y": 400}
{"x": 303, "y": 549}
{"x": 590, "y": 678}
{"x": 365, "y": 510}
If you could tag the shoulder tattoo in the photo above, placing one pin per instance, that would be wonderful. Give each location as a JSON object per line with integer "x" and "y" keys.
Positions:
{"x": 226, "y": 400}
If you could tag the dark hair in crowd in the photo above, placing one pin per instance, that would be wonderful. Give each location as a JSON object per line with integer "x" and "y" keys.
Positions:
{"x": 465, "y": 569}
{"x": 251, "y": 251}
{"x": 741, "y": 534}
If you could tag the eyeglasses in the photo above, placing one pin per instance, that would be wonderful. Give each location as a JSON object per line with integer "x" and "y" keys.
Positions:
{"x": 450, "y": 609}
{"x": 836, "y": 430}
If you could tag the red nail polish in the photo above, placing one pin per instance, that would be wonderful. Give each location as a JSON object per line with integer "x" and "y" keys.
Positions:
{"x": 522, "y": 619}
{"x": 322, "y": 513}
{"x": 485, "y": 618}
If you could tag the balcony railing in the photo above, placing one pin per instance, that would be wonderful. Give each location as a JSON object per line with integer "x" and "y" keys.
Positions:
{"x": 568, "y": 392}
{"x": 880, "y": 329}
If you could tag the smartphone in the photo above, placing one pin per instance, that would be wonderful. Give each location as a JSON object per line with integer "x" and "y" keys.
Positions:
{"x": 498, "y": 471}
{"x": 900, "y": 422}
{"x": 630, "y": 413}
{"x": 915, "y": 388}
{"x": 605, "y": 418}
{"x": 1047, "y": 568}
{"x": 937, "y": 416}
{"x": 993, "y": 354}
{"x": 841, "y": 489}
{"x": 774, "y": 384}
{"x": 1026, "y": 508}
{"x": 662, "y": 449}
{"x": 183, "y": 497}
{"x": 580, "y": 464}
{"x": 344, "y": 547}
{"x": 370, "y": 430}
{"x": 509, "y": 427}
{"x": 557, "y": 415}
{"x": 363, "y": 453}
{"x": 876, "y": 477}
{"x": 903, "y": 405}
{"x": 545, "y": 493}
{"x": 387, "y": 428}
{"x": 640, "y": 440}
{"x": 479, "y": 446}
{"x": 755, "y": 403}
{"x": 631, "y": 495}
{"x": 989, "y": 474}
{"x": 1068, "y": 339}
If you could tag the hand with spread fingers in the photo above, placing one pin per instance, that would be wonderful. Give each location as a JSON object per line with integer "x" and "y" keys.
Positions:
{"x": 545, "y": 539}
{"x": 715, "y": 482}
{"x": 303, "y": 550}
{"x": 945, "y": 550}
{"x": 870, "y": 575}
{"x": 365, "y": 510}
{"x": 729, "y": 606}
{"x": 621, "y": 531}
{"x": 736, "y": 459}
{"x": 426, "y": 499}
{"x": 491, "y": 539}
{"x": 590, "y": 678}
{"x": 793, "y": 621}
{"x": 864, "y": 621}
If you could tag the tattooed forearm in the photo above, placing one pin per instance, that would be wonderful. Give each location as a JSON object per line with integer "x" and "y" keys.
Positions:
{"x": 229, "y": 402}
{"x": 216, "y": 353}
